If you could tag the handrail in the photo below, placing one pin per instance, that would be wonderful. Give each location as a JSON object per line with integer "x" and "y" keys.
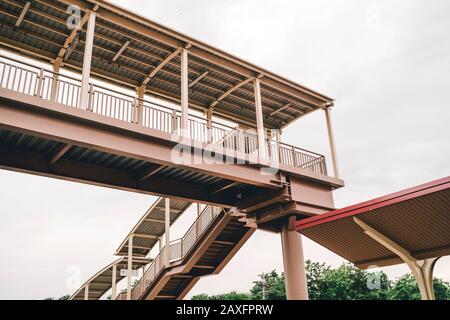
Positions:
{"x": 157, "y": 265}
{"x": 64, "y": 89}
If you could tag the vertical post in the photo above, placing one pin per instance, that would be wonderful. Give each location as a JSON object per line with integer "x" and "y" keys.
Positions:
{"x": 86, "y": 292}
{"x": 130, "y": 266}
{"x": 54, "y": 87}
{"x": 167, "y": 233}
{"x": 114, "y": 283}
{"x": 87, "y": 61}
{"x": 40, "y": 83}
{"x": 294, "y": 157}
{"x": 332, "y": 142}
{"x": 293, "y": 261}
{"x": 91, "y": 97}
{"x": 174, "y": 121}
{"x": 259, "y": 120}
{"x": 140, "y": 91}
{"x": 184, "y": 93}
{"x": 209, "y": 132}
{"x": 197, "y": 223}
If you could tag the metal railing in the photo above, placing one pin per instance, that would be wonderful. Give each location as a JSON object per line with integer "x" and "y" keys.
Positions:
{"x": 178, "y": 249}
{"x": 28, "y": 79}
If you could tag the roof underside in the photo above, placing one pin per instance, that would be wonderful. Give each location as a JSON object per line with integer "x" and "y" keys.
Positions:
{"x": 151, "y": 226}
{"x": 418, "y": 219}
{"x": 101, "y": 282}
{"x": 43, "y": 32}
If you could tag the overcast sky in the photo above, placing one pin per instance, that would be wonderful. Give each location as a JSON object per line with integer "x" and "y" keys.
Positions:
{"x": 387, "y": 65}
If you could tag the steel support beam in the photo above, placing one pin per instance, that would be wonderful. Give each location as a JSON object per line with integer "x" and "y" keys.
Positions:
{"x": 293, "y": 261}
{"x": 54, "y": 86}
{"x": 22, "y": 14}
{"x": 160, "y": 66}
{"x": 184, "y": 93}
{"x": 332, "y": 143}
{"x": 259, "y": 120}
{"x": 86, "y": 292}
{"x": 130, "y": 266}
{"x": 121, "y": 50}
{"x": 167, "y": 231}
{"x": 87, "y": 59}
{"x": 114, "y": 283}
{"x": 421, "y": 269}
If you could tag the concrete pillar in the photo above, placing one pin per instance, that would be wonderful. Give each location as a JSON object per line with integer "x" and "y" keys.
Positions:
{"x": 184, "y": 93}
{"x": 87, "y": 59}
{"x": 332, "y": 143}
{"x": 259, "y": 120}
{"x": 130, "y": 266}
{"x": 294, "y": 262}
{"x": 114, "y": 283}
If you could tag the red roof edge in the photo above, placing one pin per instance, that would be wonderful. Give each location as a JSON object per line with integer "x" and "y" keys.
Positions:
{"x": 363, "y": 207}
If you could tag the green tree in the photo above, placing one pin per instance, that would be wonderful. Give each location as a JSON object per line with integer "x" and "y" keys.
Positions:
{"x": 270, "y": 286}
{"x": 346, "y": 283}
{"x": 406, "y": 288}
{"x": 226, "y": 296}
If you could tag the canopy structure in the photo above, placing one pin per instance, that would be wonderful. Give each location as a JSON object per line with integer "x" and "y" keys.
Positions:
{"x": 411, "y": 226}
{"x": 151, "y": 227}
{"x": 102, "y": 281}
{"x": 136, "y": 52}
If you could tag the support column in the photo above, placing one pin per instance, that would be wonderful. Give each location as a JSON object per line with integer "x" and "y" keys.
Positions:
{"x": 184, "y": 93}
{"x": 54, "y": 87}
{"x": 421, "y": 269}
{"x": 167, "y": 232}
{"x": 209, "y": 126}
{"x": 259, "y": 120}
{"x": 87, "y": 59}
{"x": 294, "y": 262}
{"x": 140, "y": 92}
{"x": 130, "y": 266}
{"x": 114, "y": 283}
{"x": 332, "y": 142}
{"x": 86, "y": 292}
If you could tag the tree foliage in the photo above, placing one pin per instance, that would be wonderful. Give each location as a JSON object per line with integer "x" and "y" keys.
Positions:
{"x": 343, "y": 283}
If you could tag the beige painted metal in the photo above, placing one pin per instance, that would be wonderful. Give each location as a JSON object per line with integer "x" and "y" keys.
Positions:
{"x": 86, "y": 292}
{"x": 167, "y": 233}
{"x": 161, "y": 65}
{"x": 184, "y": 92}
{"x": 114, "y": 283}
{"x": 87, "y": 59}
{"x": 130, "y": 266}
{"x": 227, "y": 93}
{"x": 421, "y": 269}
{"x": 259, "y": 119}
{"x": 332, "y": 143}
{"x": 140, "y": 91}
{"x": 23, "y": 13}
{"x": 56, "y": 70}
{"x": 121, "y": 50}
{"x": 294, "y": 262}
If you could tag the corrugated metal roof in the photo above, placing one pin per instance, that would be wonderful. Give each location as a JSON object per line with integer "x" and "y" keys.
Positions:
{"x": 152, "y": 225}
{"x": 417, "y": 219}
{"x": 43, "y": 33}
{"x": 101, "y": 282}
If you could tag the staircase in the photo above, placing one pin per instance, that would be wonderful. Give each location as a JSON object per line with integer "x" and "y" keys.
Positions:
{"x": 205, "y": 249}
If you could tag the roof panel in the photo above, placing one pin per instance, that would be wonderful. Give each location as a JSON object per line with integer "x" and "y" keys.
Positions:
{"x": 150, "y": 43}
